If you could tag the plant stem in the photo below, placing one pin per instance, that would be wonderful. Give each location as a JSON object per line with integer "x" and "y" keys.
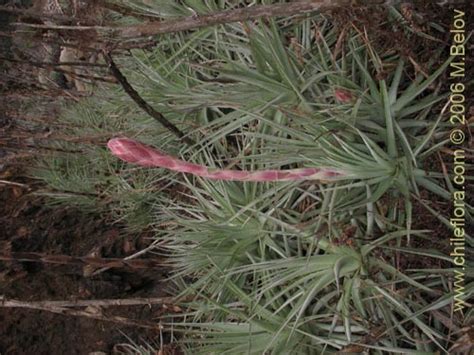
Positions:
{"x": 237, "y": 15}
{"x": 86, "y": 303}
{"x": 79, "y": 313}
{"x": 82, "y": 261}
{"x": 212, "y": 19}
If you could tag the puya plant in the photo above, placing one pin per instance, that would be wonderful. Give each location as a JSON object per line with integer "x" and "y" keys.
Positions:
{"x": 383, "y": 140}
{"x": 259, "y": 281}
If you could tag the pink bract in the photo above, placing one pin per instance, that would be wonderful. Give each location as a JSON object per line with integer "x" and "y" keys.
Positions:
{"x": 343, "y": 96}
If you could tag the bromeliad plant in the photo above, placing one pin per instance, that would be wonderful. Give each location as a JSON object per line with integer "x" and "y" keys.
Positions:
{"x": 262, "y": 282}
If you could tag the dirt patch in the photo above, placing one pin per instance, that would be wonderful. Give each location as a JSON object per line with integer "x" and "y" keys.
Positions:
{"x": 28, "y": 226}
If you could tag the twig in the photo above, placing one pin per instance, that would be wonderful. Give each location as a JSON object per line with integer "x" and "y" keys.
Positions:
{"x": 86, "y": 303}
{"x": 61, "y": 27}
{"x": 130, "y": 257}
{"x": 5, "y": 182}
{"x": 194, "y": 22}
{"x": 142, "y": 103}
{"x": 237, "y": 15}
{"x": 81, "y": 261}
{"x": 82, "y": 313}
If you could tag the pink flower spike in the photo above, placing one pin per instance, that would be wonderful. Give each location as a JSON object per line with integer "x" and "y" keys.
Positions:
{"x": 138, "y": 153}
{"x": 343, "y": 95}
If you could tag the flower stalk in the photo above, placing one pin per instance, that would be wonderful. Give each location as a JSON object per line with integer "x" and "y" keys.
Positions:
{"x": 138, "y": 153}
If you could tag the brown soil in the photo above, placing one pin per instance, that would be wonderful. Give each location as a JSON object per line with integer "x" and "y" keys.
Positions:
{"x": 27, "y": 225}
